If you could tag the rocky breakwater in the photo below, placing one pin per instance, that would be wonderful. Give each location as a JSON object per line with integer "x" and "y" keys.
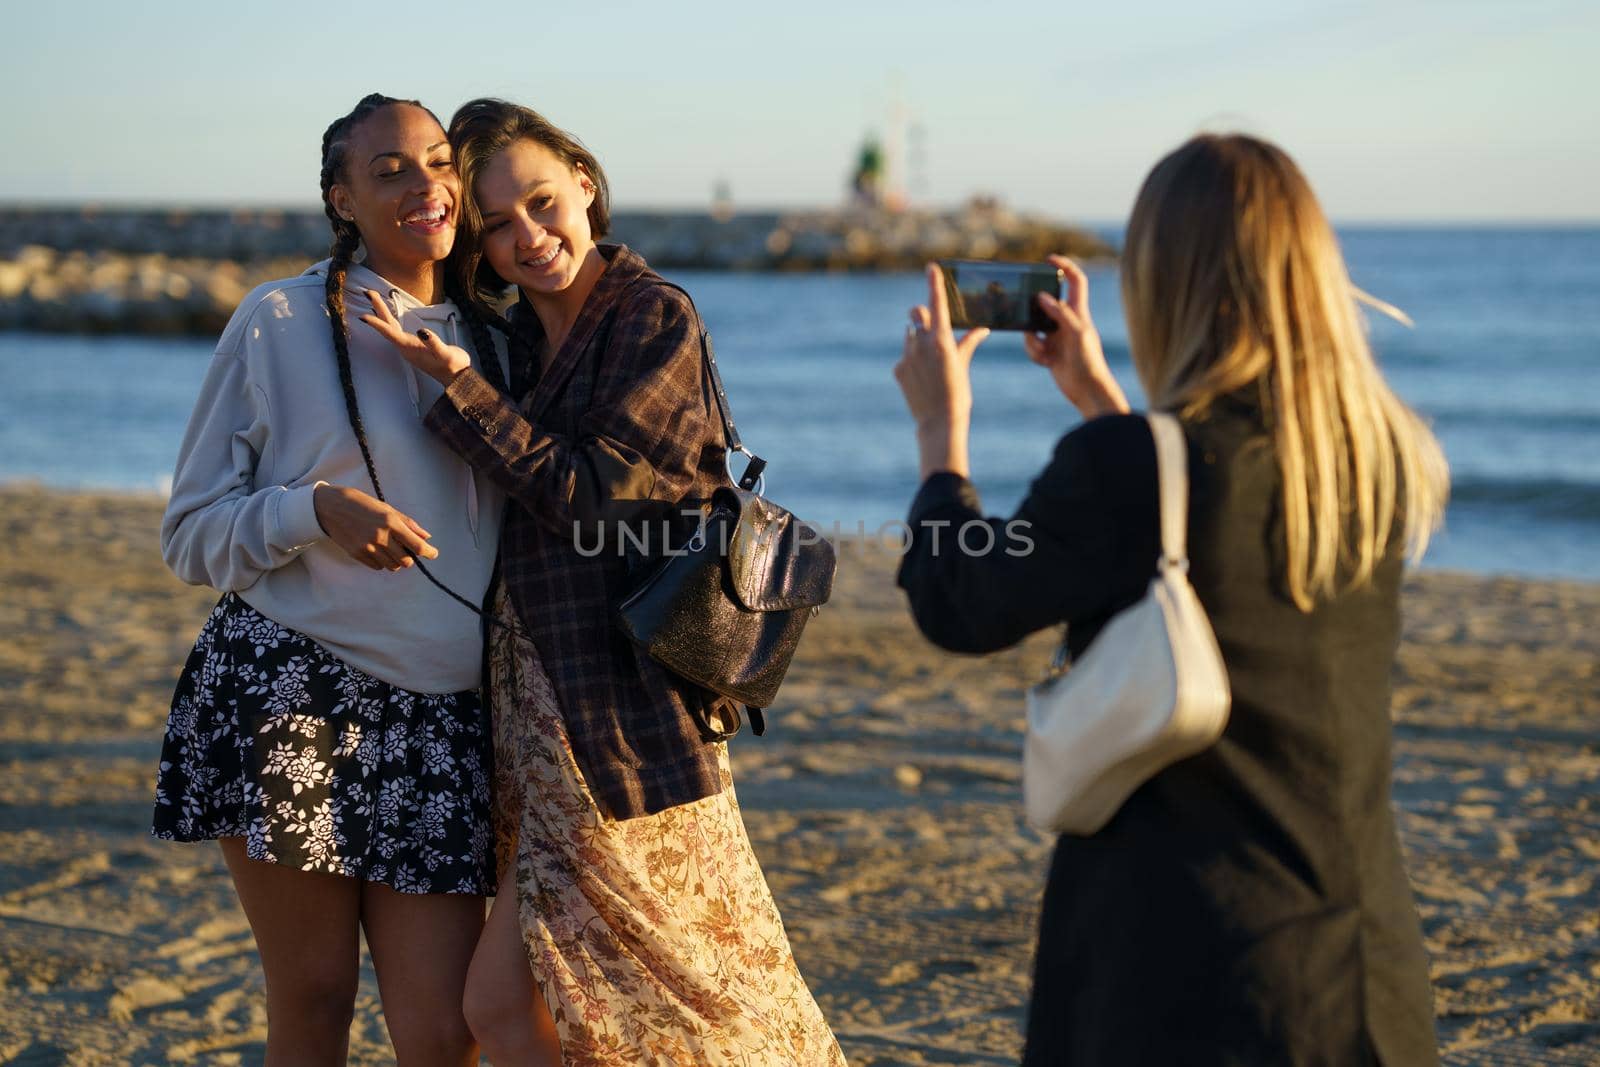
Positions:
{"x": 93, "y": 270}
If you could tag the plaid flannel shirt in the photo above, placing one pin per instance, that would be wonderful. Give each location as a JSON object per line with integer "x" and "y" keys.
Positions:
{"x": 616, "y": 429}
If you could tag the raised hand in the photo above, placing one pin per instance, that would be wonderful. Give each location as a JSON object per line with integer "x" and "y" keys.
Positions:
{"x": 424, "y": 350}
{"x": 1072, "y": 353}
{"x": 935, "y": 374}
{"x": 935, "y": 370}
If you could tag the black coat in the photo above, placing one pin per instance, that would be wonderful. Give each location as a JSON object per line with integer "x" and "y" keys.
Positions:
{"x": 1249, "y": 905}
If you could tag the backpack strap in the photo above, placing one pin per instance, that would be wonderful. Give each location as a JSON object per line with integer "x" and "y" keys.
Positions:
{"x": 752, "y": 476}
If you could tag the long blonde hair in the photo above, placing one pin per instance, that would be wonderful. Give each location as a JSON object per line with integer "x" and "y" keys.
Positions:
{"x": 1232, "y": 280}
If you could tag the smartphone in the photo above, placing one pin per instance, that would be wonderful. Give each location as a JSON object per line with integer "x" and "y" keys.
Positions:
{"x": 1001, "y": 296}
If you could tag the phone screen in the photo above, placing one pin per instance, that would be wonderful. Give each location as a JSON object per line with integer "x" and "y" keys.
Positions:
{"x": 1001, "y": 296}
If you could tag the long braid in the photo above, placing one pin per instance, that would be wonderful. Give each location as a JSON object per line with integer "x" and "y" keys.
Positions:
{"x": 346, "y": 239}
{"x": 342, "y": 250}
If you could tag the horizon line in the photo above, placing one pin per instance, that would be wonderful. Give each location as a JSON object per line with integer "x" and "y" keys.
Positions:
{"x": 760, "y": 208}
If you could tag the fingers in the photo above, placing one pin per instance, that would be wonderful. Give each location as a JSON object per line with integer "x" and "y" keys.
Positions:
{"x": 385, "y": 551}
{"x": 390, "y": 552}
{"x": 392, "y": 556}
{"x": 915, "y": 336}
{"x": 380, "y": 307}
{"x": 408, "y": 540}
{"x": 971, "y": 340}
{"x": 1077, "y": 285}
{"x": 443, "y": 361}
{"x": 390, "y": 330}
{"x": 431, "y": 341}
{"x": 938, "y": 305}
{"x": 1036, "y": 349}
{"x": 382, "y": 319}
{"x": 397, "y": 538}
{"x": 377, "y": 556}
{"x": 1064, "y": 316}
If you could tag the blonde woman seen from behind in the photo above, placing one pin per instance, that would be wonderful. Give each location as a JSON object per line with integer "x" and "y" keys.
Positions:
{"x": 1250, "y": 904}
{"x": 1275, "y": 311}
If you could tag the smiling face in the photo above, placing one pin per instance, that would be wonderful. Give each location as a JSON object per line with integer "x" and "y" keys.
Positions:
{"x": 536, "y": 231}
{"x": 399, "y": 185}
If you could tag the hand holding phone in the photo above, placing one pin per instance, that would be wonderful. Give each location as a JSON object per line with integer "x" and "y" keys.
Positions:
{"x": 1072, "y": 352}
{"x": 935, "y": 375}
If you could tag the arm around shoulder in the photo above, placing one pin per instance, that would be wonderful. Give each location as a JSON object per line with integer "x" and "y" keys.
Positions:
{"x": 639, "y": 441}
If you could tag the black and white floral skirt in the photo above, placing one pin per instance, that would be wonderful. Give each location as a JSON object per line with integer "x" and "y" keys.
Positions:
{"x": 322, "y": 767}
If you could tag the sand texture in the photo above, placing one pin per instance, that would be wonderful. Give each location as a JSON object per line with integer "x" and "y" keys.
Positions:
{"x": 884, "y": 803}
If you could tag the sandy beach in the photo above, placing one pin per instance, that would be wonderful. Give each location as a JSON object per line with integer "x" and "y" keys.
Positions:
{"x": 884, "y": 803}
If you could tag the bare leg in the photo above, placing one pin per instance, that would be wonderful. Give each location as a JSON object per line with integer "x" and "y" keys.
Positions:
{"x": 421, "y": 944}
{"x": 504, "y": 1006}
{"x": 305, "y": 925}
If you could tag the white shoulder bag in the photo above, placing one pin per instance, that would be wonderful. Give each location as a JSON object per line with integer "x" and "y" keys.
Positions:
{"x": 1150, "y": 690}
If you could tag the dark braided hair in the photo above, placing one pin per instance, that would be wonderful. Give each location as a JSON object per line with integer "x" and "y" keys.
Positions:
{"x": 346, "y": 239}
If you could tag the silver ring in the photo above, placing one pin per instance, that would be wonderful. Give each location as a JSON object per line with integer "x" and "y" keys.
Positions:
{"x": 727, "y": 462}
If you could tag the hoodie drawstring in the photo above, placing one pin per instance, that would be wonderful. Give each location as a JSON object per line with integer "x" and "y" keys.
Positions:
{"x": 413, "y": 387}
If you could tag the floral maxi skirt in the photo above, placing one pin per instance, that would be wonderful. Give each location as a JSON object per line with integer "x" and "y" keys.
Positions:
{"x": 655, "y": 940}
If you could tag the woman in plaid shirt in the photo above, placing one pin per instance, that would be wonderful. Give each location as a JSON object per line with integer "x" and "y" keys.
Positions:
{"x": 633, "y": 923}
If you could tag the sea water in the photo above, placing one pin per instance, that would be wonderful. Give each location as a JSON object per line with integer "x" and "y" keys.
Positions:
{"x": 1503, "y": 358}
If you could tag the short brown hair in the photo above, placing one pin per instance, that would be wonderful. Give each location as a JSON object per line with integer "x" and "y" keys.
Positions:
{"x": 480, "y": 130}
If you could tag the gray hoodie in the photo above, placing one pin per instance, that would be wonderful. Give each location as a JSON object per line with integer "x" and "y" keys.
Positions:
{"x": 270, "y": 424}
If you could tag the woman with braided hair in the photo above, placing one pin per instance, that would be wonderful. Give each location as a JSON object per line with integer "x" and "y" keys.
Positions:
{"x": 327, "y": 729}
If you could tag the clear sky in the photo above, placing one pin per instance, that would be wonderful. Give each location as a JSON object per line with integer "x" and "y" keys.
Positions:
{"x": 1406, "y": 110}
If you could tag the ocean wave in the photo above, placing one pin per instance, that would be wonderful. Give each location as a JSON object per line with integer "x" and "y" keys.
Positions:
{"x": 1500, "y": 418}
{"x": 1544, "y": 498}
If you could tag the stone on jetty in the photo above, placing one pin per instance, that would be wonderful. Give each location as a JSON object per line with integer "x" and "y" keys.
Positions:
{"x": 102, "y": 270}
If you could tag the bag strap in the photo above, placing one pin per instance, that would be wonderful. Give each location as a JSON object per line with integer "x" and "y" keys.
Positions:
{"x": 1172, "y": 473}
{"x": 751, "y": 477}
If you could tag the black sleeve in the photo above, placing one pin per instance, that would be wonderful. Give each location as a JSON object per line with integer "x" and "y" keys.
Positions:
{"x": 979, "y": 584}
